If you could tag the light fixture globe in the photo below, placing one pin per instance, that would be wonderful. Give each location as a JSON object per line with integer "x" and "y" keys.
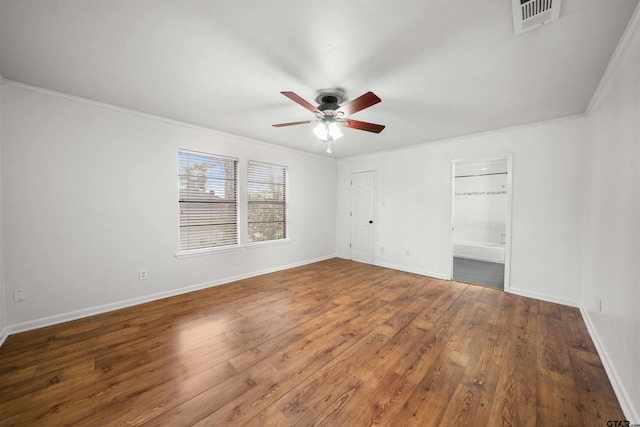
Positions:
{"x": 334, "y": 130}
{"x": 327, "y": 130}
{"x": 321, "y": 131}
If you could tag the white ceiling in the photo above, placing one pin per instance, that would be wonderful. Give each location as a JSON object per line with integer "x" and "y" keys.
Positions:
{"x": 442, "y": 68}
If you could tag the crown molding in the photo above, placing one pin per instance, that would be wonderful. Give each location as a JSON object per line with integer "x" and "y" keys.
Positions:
{"x": 99, "y": 104}
{"x": 466, "y": 136}
{"x": 629, "y": 37}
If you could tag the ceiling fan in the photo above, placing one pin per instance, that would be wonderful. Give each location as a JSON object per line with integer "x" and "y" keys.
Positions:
{"x": 329, "y": 113}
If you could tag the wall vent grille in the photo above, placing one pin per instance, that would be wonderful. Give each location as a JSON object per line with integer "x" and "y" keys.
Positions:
{"x": 531, "y": 14}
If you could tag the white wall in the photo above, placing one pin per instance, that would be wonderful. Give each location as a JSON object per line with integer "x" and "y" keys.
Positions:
{"x": 3, "y": 298}
{"x": 413, "y": 205}
{"x": 90, "y": 197}
{"x": 611, "y": 268}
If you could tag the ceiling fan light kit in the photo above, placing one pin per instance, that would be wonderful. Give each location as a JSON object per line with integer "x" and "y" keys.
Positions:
{"x": 327, "y": 130}
{"x": 330, "y": 115}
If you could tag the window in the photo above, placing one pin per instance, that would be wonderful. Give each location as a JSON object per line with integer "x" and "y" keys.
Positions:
{"x": 267, "y": 202}
{"x": 207, "y": 192}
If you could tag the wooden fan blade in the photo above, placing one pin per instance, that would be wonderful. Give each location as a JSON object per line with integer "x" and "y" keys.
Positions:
{"x": 279, "y": 125}
{"x": 356, "y": 124}
{"x": 360, "y": 103}
{"x": 298, "y": 99}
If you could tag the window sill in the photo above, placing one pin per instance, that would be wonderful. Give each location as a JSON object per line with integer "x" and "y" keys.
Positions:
{"x": 208, "y": 251}
{"x": 268, "y": 243}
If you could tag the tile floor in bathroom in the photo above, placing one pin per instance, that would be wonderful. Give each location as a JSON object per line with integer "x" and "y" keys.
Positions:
{"x": 478, "y": 272}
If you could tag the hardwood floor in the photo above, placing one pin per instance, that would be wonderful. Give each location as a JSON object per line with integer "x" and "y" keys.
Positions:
{"x": 335, "y": 343}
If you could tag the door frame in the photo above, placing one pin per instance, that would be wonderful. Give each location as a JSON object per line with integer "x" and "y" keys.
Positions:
{"x": 507, "y": 246}
{"x": 374, "y": 212}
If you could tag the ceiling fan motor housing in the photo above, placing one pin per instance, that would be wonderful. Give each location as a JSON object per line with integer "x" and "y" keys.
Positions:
{"x": 330, "y": 99}
{"x": 328, "y": 103}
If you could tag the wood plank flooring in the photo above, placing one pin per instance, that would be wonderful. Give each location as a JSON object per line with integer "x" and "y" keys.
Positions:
{"x": 335, "y": 343}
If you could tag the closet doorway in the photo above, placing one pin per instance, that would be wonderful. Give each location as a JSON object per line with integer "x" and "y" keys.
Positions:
{"x": 481, "y": 222}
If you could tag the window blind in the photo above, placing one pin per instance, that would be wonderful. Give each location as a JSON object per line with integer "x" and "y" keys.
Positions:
{"x": 267, "y": 202}
{"x": 207, "y": 187}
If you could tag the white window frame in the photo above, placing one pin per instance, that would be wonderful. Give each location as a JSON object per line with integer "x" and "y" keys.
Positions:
{"x": 251, "y": 200}
{"x": 234, "y": 244}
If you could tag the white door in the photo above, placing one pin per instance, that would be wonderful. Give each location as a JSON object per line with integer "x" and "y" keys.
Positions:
{"x": 362, "y": 207}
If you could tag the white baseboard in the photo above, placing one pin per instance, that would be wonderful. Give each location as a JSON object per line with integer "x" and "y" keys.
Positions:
{"x": 543, "y": 297}
{"x": 4, "y": 334}
{"x": 625, "y": 401}
{"x": 92, "y": 311}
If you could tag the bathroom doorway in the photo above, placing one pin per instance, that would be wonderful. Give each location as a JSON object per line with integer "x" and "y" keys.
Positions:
{"x": 481, "y": 218}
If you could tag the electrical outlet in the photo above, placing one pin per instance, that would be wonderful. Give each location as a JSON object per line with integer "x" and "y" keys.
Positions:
{"x": 19, "y": 295}
{"x": 237, "y": 260}
{"x": 381, "y": 248}
{"x": 144, "y": 274}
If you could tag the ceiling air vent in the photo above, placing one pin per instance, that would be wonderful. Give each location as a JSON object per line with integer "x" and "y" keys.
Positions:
{"x": 530, "y": 14}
